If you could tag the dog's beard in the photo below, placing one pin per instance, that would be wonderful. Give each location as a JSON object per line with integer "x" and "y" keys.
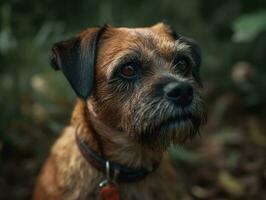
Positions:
{"x": 157, "y": 123}
{"x": 174, "y": 131}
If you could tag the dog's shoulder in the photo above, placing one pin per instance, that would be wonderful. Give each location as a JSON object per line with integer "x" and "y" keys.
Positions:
{"x": 66, "y": 174}
{"x": 63, "y": 143}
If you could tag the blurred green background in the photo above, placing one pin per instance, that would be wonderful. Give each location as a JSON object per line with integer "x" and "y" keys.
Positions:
{"x": 228, "y": 161}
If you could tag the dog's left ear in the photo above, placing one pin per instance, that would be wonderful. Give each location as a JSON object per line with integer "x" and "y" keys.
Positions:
{"x": 76, "y": 58}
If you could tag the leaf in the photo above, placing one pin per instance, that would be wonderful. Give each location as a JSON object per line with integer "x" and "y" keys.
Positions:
{"x": 231, "y": 184}
{"x": 247, "y": 27}
{"x": 256, "y": 133}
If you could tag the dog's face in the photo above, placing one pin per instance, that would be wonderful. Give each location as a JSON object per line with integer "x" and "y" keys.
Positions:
{"x": 143, "y": 82}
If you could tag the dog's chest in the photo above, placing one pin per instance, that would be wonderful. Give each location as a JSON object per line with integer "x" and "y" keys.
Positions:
{"x": 80, "y": 181}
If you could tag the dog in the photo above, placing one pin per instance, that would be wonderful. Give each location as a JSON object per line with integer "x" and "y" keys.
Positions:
{"x": 138, "y": 91}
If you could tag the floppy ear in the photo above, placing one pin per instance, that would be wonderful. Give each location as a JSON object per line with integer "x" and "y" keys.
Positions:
{"x": 76, "y": 58}
{"x": 196, "y": 55}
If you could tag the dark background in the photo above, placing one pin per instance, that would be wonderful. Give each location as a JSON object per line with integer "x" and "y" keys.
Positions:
{"x": 228, "y": 161}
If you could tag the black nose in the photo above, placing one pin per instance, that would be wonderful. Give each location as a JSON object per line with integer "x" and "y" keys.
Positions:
{"x": 179, "y": 92}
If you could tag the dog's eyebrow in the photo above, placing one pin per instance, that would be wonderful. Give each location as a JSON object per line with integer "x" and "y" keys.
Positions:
{"x": 181, "y": 47}
{"x": 130, "y": 56}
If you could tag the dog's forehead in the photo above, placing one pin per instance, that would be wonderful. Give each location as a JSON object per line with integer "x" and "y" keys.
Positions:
{"x": 156, "y": 31}
{"x": 157, "y": 36}
{"x": 149, "y": 42}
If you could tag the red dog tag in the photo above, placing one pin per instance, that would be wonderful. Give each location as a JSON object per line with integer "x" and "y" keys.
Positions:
{"x": 109, "y": 191}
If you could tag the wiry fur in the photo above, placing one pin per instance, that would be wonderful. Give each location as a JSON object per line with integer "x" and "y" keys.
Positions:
{"x": 67, "y": 175}
{"x": 133, "y": 122}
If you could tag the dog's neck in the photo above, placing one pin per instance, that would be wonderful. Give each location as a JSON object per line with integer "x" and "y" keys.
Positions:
{"x": 115, "y": 145}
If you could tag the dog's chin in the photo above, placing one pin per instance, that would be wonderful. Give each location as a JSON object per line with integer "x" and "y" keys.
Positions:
{"x": 173, "y": 130}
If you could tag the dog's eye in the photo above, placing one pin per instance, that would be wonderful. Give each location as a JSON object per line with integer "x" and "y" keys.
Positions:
{"x": 128, "y": 70}
{"x": 182, "y": 65}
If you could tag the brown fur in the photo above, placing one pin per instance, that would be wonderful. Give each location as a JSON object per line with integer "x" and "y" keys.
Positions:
{"x": 67, "y": 175}
{"x": 119, "y": 118}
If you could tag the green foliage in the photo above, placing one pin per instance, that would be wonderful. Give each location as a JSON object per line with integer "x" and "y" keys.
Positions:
{"x": 247, "y": 27}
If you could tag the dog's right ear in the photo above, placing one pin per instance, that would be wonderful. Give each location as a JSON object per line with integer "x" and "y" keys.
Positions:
{"x": 76, "y": 58}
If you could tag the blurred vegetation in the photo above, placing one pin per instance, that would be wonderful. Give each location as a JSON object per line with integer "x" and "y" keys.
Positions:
{"x": 227, "y": 162}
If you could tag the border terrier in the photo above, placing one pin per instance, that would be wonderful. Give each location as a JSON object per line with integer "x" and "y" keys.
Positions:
{"x": 139, "y": 91}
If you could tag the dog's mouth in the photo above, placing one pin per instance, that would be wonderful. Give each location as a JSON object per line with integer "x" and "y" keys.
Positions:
{"x": 173, "y": 122}
{"x": 174, "y": 129}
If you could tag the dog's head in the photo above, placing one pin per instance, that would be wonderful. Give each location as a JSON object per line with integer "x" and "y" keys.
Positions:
{"x": 143, "y": 82}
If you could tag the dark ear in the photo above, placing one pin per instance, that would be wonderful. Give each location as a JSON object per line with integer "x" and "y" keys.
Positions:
{"x": 196, "y": 55}
{"x": 76, "y": 57}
